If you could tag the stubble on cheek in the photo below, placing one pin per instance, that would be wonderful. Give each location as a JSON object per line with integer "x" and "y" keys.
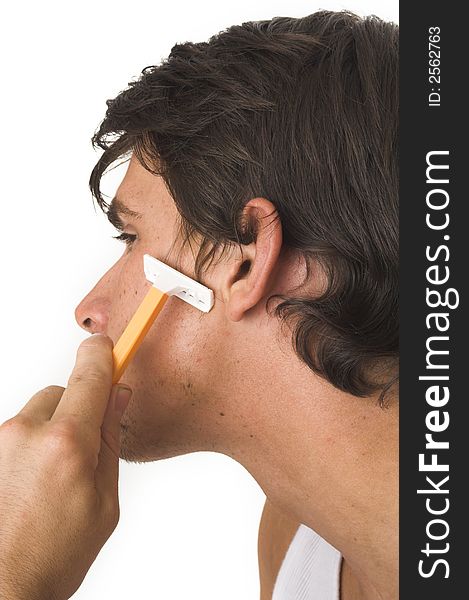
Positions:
{"x": 130, "y": 448}
{"x": 160, "y": 422}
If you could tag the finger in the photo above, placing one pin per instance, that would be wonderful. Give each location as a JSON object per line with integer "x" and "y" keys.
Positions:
{"x": 42, "y": 405}
{"x": 89, "y": 386}
{"x": 107, "y": 471}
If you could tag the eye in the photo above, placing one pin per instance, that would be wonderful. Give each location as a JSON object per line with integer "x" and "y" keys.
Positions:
{"x": 127, "y": 238}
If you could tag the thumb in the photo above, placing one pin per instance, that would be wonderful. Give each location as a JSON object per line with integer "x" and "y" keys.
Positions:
{"x": 107, "y": 471}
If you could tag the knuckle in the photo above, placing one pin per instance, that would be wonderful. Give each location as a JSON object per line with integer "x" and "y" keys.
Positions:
{"x": 63, "y": 437}
{"x": 94, "y": 374}
{"x": 65, "y": 444}
{"x": 17, "y": 426}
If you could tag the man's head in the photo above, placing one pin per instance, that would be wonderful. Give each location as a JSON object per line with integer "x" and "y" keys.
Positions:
{"x": 264, "y": 163}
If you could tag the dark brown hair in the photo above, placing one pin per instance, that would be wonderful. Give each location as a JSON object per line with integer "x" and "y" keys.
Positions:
{"x": 303, "y": 112}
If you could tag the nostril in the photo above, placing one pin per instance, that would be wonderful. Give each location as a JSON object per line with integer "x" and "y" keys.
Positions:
{"x": 87, "y": 323}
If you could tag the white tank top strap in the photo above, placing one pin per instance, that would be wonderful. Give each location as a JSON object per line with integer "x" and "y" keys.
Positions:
{"x": 310, "y": 569}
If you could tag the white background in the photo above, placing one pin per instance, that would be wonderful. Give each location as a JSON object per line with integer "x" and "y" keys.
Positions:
{"x": 188, "y": 525}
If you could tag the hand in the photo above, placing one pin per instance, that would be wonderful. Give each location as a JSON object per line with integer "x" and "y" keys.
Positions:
{"x": 59, "y": 463}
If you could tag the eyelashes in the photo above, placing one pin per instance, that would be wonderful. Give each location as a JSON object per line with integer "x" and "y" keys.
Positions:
{"x": 127, "y": 238}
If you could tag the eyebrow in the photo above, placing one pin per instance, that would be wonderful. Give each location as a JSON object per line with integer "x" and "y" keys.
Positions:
{"x": 117, "y": 208}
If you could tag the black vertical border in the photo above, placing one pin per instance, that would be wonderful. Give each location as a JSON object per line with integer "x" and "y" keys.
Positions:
{"x": 423, "y": 129}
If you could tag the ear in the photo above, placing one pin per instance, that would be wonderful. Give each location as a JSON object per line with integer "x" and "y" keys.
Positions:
{"x": 251, "y": 274}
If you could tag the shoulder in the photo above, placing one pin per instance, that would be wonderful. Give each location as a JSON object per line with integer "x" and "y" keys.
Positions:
{"x": 276, "y": 531}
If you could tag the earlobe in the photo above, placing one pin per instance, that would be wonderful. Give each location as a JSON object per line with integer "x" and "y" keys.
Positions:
{"x": 251, "y": 274}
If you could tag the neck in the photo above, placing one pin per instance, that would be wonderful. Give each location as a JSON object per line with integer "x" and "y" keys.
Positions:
{"x": 330, "y": 461}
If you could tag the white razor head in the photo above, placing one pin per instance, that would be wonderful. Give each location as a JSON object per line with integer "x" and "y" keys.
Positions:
{"x": 172, "y": 282}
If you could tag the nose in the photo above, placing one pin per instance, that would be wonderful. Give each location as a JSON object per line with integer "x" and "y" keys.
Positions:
{"x": 92, "y": 314}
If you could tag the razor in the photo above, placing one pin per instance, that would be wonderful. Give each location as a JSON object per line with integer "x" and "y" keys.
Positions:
{"x": 166, "y": 282}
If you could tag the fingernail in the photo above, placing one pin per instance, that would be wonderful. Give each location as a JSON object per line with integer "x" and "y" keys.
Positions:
{"x": 122, "y": 398}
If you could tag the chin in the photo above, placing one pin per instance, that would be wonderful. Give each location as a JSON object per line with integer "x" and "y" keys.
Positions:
{"x": 147, "y": 434}
{"x": 135, "y": 449}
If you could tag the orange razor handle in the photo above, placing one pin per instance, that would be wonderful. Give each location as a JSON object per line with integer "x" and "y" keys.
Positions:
{"x": 137, "y": 328}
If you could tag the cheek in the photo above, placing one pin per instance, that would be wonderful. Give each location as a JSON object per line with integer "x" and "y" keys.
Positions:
{"x": 171, "y": 347}
{"x": 178, "y": 362}
{"x": 174, "y": 362}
